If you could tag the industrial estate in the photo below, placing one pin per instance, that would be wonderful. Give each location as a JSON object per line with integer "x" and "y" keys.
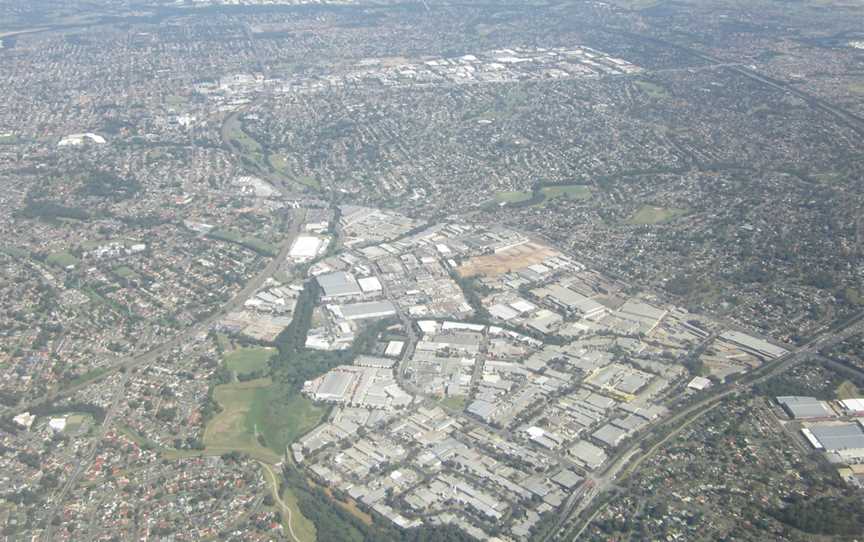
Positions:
{"x": 431, "y": 271}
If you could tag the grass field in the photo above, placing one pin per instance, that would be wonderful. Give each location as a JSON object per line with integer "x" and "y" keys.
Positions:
{"x": 847, "y": 390}
{"x": 75, "y": 421}
{"x": 279, "y": 164}
{"x": 235, "y": 429}
{"x": 282, "y": 418}
{"x": 570, "y": 191}
{"x": 88, "y": 377}
{"x": 649, "y": 214}
{"x": 223, "y": 343}
{"x": 137, "y": 438}
{"x": 827, "y": 178}
{"x": 853, "y": 296}
{"x": 249, "y": 360}
{"x": 259, "y": 408}
{"x": 252, "y": 243}
{"x": 126, "y": 272}
{"x": 547, "y": 193}
{"x": 250, "y": 151}
{"x": 173, "y": 99}
{"x": 454, "y": 402}
{"x": 233, "y": 132}
{"x": 512, "y": 196}
{"x": 62, "y": 259}
{"x": 652, "y": 89}
{"x": 306, "y": 180}
{"x": 91, "y": 244}
{"x": 303, "y": 528}
{"x": 15, "y": 252}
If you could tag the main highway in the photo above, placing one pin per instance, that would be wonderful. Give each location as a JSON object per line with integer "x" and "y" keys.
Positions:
{"x": 627, "y": 460}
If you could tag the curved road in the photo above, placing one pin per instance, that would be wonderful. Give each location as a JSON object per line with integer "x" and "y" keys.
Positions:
{"x": 285, "y": 508}
{"x": 632, "y": 456}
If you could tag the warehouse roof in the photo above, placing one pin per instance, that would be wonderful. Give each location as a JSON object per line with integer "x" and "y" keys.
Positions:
{"x": 839, "y": 437}
{"x": 853, "y": 405}
{"x": 563, "y": 295}
{"x": 589, "y": 455}
{"x": 370, "y": 284}
{"x": 503, "y": 312}
{"x": 335, "y": 385}
{"x": 610, "y": 435}
{"x": 644, "y": 310}
{"x": 338, "y": 284}
{"x": 374, "y": 361}
{"x": 373, "y": 309}
{"x": 481, "y": 408}
{"x": 754, "y": 344}
{"x": 804, "y": 407}
{"x": 567, "y": 479}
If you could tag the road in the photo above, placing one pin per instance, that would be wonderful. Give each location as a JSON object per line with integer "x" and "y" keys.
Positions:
{"x": 410, "y": 345}
{"x": 178, "y": 341}
{"x": 625, "y": 461}
{"x": 628, "y": 459}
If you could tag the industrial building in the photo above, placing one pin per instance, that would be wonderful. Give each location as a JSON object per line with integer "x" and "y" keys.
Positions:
{"x": 803, "y": 408}
{"x": 468, "y": 343}
{"x": 610, "y": 435}
{"x": 619, "y": 379}
{"x": 394, "y": 348}
{"x": 364, "y": 311}
{"x": 642, "y": 310}
{"x": 587, "y": 454}
{"x": 482, "y": 409}
{"x": 361, "y": 386}
{"x": 699, "y": 383}
{"x": 338, "y": 284}
{"x": 569, "y": 300}
{"x": 503, "y": 312}
{"x": 334, "y": 386}
{"x": 370, "y": 285}
{"x": 306, "y": 247}
{"x": 844, "y": 440}
{"x": 752, "y": 345}
{"x": 854, "y": 407}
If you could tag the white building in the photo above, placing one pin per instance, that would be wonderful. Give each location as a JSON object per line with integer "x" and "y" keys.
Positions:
{"x": 306, "y": 247}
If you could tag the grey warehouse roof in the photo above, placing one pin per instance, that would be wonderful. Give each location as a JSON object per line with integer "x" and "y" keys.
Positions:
{"x": 335, "y": 384}
{"x": 839, "y": 437}
{"x": 609, "y": 435}
{"x": 481, "y": 408}
{"x": 338, "y": 284}
{"x": 358, "y": 311}
{"x": 567, "y": 479}
{"x": 804, "y": 407}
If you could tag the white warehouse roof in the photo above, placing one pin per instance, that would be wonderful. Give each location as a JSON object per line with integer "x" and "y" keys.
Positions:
{"x": 370, "y": 284}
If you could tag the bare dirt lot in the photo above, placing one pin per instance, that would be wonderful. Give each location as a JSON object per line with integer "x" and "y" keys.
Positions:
{"x": 507, "y": 260}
